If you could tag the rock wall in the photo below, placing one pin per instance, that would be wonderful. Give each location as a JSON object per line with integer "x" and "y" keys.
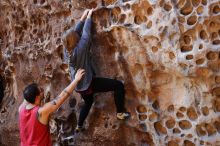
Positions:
{"x": 167, "y": 53}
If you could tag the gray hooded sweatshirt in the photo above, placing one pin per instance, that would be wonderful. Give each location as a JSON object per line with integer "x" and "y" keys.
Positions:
{"x": 81, "y": 57}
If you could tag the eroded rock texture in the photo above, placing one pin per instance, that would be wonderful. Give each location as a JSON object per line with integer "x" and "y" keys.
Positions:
{"x": 166, "y": 52}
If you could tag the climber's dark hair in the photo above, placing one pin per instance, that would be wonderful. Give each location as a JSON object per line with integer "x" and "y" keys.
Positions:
{"x": 30, "y": 92}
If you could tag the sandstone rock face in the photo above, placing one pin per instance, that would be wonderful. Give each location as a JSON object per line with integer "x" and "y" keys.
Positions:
{"x": 167, "y": 53}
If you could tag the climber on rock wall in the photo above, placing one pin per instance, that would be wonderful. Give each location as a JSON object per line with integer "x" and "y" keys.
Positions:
{"x": 33, "y": 118}
{"x": 77, "y": 53}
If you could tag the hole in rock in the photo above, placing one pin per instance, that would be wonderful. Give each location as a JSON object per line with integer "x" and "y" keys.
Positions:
{"x": 155, "y": 105}
{"x": 170, "y": 123}
{"x": 176, "y": 131}
{"x": 114, "y": 126}
{"x": 150, "y": 11}
{"x": 188, "y": 143}
{"x": 182, "y": 109}
{"x": 186, "y": 48}
{"x": 48, "y": 7}
{"x": 139, "y": 19}
{"x": 195, "y": 2}
{"x": 186, "y": 10}
{"x": 167, "y": 7}
{"x": 42, "y": 1}
{"x": 179, "y": 115}
{"x": 184, "y": 124}
{"x": 203, "y": 35}
{"x": 149, "y": 25}
{"x": 181, "y": 19}
{"x": 191, "y": 113}
{"x": 217, "y": 126}
{"x": 200, "y": 46}
{"x": 212, "y": 55}
{"x": 216, "y": 91}
{"x": 216, "y": 42}
{"x": 141, "y": 109}
{"x": 214, "y": 35}
{"x": 217, "y": 79}
{"x": 172, "y": 143}
{"x": 161, "y": 3}
{"x": 170, "y": 108}
{"x": 106, "y": 125}
{"x": 159, "y": 128}
{"x": 115, "y": 13}
{"x": 205, "y": 111}
{"x": 216, "y": 9}
{"x": 189, "y": 57}
{"x": 142, "y": 117}
{"x": 108, "y": 2}
{"x": 200, "y": 129}
{"x": 127, "y": 6}
{"x": 200, "y": 61}
{"x": 154, "y": 49}
{"x": 192, "y": 20}
{"x": 212, "y": 24}
{"x": 122, "y": 18}
{"x": 70, "y": 6}
{"x": 204, "y": 2}
{"x": 58, "y": 41}
{"x": 24, "y": 25}
{"x": 171, "y": 55}
{"x": 200, "y": 10}
{"x": 187, "y": 39}
{"x": 174, "y": 21}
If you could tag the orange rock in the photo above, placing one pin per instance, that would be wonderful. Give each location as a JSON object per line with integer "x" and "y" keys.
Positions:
{"x": 172, "y": 143}
{"x": 216, "y": 105}
{"x": 179, "y": 115}
{"x": 159, "y": 128}
{"x": 188, "y": 143}
{"x": 141, "y": 109}
{"x": 170, "y": 123}
{"x": 170, "y": 108}
{"x": 192, "y": 20}
{"x": 167, "y": 7}
{"x": 196, "y": 2}
{"x": 200, "y": 10}
{"x": 217, "y": 125}
{"x": 200, "y": 129}
{"x": 184, "y": 124}
{"x": 212, "y": 55}
{"x": 205, "y": 111}
{"x": 192, "y": 114}
{"x": 153, "y": 117}
{"x": 186, "y": 10}
{"x": 216, "y": 91}
{"x": 210, "y": 129}
{"x": 142, "y": 117}
{"x": 176, "y": 131}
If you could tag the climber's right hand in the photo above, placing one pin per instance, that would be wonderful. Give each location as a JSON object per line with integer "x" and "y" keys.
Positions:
{"x": 85, "y": 13}
{"x": 90, "y": 13}
{"x": 79, "y": 74}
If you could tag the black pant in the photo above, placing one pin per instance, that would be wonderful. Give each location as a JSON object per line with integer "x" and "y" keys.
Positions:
{"x": 103, "y": 85}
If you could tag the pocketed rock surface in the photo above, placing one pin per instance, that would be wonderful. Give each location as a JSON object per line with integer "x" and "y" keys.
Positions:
{"x": 166, "y": 52}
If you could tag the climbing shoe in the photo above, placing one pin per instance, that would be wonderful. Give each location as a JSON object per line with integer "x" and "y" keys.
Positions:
{"x": 79, "y": 129}
{"x": 123, "y": 116}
